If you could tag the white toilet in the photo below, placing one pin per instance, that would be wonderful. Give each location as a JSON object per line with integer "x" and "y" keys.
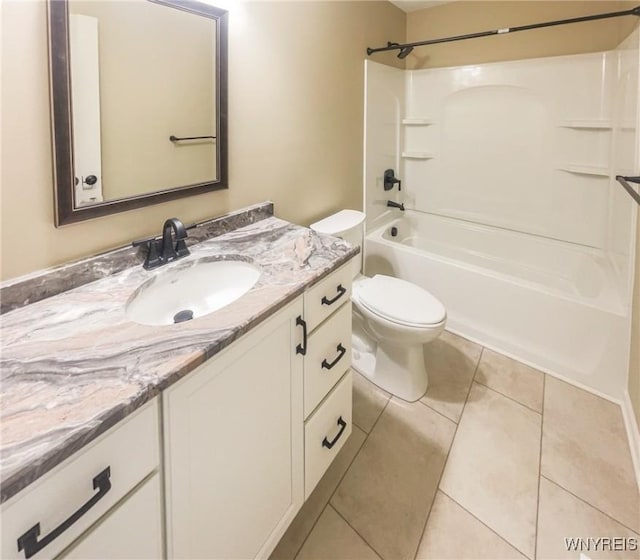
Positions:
{"x": 392, "y": 318}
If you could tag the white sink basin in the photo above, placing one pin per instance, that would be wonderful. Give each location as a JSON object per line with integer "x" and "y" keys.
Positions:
{"x": 189, "y": 292}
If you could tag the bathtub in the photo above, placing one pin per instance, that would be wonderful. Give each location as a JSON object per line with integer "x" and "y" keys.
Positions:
{"x": 556, "y": 306}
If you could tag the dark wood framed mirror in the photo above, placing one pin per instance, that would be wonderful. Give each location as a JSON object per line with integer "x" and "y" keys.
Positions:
{"x": 138, "y": 103}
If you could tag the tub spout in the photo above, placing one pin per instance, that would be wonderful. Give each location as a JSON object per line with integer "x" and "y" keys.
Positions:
{"x": 398, "y": 205}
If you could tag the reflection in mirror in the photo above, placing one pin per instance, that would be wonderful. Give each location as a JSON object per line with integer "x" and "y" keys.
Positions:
{"x": 146, "y": 112}
{"x": 140, "y": 73}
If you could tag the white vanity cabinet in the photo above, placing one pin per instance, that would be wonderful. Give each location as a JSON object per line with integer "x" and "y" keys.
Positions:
{"x": 84, "y": 502}
{"x": 250, "y": 432}
{"x": 245, "y": 438}
{"x": 234, "y": 445}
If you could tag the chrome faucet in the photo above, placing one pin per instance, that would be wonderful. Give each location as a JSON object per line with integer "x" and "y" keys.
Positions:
{"x": 163, "y": 250}
{"x": 398, "y": 205}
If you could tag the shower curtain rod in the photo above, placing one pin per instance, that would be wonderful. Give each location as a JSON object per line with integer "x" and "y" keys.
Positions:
{"x": 627, "y": 187}
{"x": 406, "y": 48}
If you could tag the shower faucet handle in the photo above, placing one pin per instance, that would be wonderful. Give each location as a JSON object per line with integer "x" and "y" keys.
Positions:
{"x": 390, "y": 179}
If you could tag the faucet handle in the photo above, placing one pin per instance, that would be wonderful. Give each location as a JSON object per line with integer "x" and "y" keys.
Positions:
{"x": 390, "y": 179}
{"x": 152, "y": 245}
{"x": 153, "y": 255}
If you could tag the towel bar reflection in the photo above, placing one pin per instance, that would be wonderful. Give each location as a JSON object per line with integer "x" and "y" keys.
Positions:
{"x": 173, "y": 138}
{"x": 627, "y": 187}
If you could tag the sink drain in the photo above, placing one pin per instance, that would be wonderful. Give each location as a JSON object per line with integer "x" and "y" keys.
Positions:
{"x": 182, "y": 316}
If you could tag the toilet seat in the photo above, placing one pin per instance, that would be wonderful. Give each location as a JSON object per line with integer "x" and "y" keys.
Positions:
{"x": 399, "y": 301}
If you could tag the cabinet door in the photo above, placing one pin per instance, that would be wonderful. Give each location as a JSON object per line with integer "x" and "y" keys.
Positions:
{"x": 132, "y": 530}
{"x": 233, "y": 446}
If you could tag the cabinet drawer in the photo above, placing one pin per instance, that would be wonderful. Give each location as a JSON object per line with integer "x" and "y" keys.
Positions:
{"x": 325, "y": 433}
{"x": 133, "y": 530}
{"x": 93, "y": 480}
{"x": 327, "y": 296}
{"x": 328, "y": 357}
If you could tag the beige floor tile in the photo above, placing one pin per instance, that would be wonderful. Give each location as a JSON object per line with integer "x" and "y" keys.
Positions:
{"x": 333, "y": 539}
{"x": 454, "y": 534}
{"x": 387, "y": 492}
{"x": 301, "y": 526}
{"x": 585, "y": 450}
{"x": 562, "y": 515}
{"x": 451, "y": 361}
{"x": 492, "y": 470}
{"x": 368, "y": 402}
{"x": 511, "y": 378}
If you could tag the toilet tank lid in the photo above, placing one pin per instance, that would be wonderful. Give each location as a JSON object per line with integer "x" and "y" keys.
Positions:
{"x": 338, "y": 223}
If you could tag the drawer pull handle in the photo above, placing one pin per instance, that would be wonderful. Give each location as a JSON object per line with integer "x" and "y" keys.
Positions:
{"x": 341, "y": 291}
{"x": 29, "y": 541}
{"x": 341, "y": 352}
{"x": 302, "y": 348}
{"x": 329, "y": 444}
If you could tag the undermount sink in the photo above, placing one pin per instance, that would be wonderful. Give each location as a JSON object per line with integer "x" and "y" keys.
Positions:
{"x": 191, "y": 291}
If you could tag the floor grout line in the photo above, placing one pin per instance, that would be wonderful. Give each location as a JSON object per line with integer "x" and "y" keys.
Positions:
{"x": 446, "y": 460}
{"x": 535, "y": 542}
{"x": 475, "y": 371}
{"x": 304, "y": 541}
{"x": 590, "y": 504}
{"x": 345, "y": 474}
{"x": 438, "y": 412}
{"x": 339, "y": 482}
{"x": 483, "y": 523}
{"x": 511, "y": 398}
{"x": 375, "y": 422}
{"x": 473, "y": 380}
{"x": 526, "y": 407}
{"x": 355, "y": 530}
{"x": 359, "y": 427}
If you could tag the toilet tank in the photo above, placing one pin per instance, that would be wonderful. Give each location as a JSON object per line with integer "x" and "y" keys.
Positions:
{"x": 348, "y": 225}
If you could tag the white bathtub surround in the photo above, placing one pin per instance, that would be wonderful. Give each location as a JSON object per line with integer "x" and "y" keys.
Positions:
{"x": 548, "y": 303}
{"x": 514, "y": 220}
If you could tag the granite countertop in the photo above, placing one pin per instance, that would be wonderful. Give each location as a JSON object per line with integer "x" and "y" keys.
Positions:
{"x": 73, "y": 365}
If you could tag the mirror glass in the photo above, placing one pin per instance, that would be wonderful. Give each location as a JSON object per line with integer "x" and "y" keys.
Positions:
{"x": 139, "y": 103}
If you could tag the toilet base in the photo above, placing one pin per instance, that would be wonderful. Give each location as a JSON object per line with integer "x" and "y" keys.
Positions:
{"x": 397, "y": 370}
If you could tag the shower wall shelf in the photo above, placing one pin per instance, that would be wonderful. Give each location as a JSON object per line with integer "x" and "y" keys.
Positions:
{"x": 595, "y": 124}
{"x": 417, "y": 155}
{"x": 596, "y": 170}
{"x": 417, "y": 121}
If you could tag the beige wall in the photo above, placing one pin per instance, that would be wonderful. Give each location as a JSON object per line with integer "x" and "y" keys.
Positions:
{"x": 634, "y": 365}
{"x": 153, "y": 84}
{"x": 295, "y": 121}
{"x": 468, "y": 17}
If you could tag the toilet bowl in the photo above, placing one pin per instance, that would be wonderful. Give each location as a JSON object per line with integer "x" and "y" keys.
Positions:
{"x": 399, "y": 318}
{"x": 392, "y": 319}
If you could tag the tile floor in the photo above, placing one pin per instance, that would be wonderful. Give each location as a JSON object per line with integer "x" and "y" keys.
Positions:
{"x": 497, "y": 460}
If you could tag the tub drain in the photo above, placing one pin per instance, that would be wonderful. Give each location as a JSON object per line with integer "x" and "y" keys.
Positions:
{"x": 182, "y": 316}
